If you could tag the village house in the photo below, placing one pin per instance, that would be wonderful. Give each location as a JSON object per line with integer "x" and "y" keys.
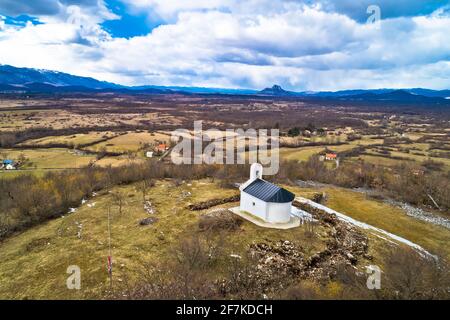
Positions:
{"x": 160, "y": 148}
{"x": 307, "y": 133}
{"x": 331, "y": 156}
{"x": 8, "y": 165}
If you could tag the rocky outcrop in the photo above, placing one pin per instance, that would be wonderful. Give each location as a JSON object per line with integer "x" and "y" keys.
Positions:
{"x": 346, "y": 245}
{"x": 148, "y": 221}
{"x": 280, "y": 257}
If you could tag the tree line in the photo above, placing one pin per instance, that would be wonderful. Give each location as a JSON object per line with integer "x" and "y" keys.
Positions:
{"x": 28, "y": 200}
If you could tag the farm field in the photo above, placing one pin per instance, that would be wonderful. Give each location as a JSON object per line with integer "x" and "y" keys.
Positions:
{"x": 55, "y": 158}
{"x": 413, "y": 156}
{"x": 33, "y": 114}
{"x": 299, "y": 154}
{"x": 117, "y": 161}
{"x": 130, "y": 142}
{"x": 378, "y": 160}
{"x": 40, "y": 161}
{"x": 303, "y": 153}
{"x": 74, "y": 140}
{"x": 54, "y": 119}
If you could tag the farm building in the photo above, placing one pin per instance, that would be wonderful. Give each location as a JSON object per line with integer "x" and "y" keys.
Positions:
{"x": 149, "y": 154}
{"x": 264, "y": 199}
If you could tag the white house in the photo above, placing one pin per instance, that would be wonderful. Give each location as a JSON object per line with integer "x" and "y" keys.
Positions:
{"x": 264, "y": 199}
{"x": 8, "y": 165}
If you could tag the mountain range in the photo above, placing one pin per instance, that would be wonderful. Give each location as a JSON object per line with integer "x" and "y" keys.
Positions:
{"x": 28, "y": 80}
{"x": 10, "y": 75}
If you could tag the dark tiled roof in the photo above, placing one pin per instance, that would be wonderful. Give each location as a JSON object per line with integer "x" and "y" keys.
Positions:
{"x": 268, "y": 192}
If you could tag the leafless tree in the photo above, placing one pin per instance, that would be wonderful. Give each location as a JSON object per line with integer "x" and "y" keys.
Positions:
{"x": 118, "y": 199}
{"x": 144, "y": 185}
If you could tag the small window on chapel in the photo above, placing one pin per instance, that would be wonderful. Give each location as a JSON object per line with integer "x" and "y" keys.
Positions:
{"x": 253, "y": 204}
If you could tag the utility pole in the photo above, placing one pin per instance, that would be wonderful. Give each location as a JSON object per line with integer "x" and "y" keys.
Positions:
{"x": 109, "y": 249}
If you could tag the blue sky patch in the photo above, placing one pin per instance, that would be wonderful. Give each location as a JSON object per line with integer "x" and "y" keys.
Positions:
{"x": 129, "y": 24}
{"x": 21, "y": 20}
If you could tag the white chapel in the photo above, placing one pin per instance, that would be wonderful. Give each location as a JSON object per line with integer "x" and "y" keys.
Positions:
{"x": 265, "y": 200}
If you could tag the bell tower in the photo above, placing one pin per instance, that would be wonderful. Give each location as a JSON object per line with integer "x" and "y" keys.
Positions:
{"x": 256, "y": 171}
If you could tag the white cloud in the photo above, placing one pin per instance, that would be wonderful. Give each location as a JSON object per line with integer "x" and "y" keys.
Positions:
{"x": 54, "y": 9}
{"x": 231, "y": 45}
{"x": 169, "y": 9}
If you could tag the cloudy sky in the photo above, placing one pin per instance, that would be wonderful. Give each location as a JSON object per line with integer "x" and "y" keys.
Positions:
{"x": 299, "y": 44}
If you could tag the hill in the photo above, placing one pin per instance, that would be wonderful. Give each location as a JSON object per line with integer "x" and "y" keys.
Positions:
{"x": 23, "y": 76}
{"x": 397, "y": 96}
{"x": 276, "y": 90}
{"x": 80, "y": 238}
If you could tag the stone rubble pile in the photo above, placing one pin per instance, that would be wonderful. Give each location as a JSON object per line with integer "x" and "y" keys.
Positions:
{"x": 148, "y": 207}
{"x": 346, "y": 245}
{"x": 148, "y": 221}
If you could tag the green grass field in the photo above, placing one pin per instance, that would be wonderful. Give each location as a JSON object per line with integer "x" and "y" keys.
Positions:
{"x": 55, "y": 158}
{"x": 41, "y": 161}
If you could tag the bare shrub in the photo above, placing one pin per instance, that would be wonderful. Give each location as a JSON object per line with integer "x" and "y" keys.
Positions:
{"x": 198, "y": 253}
{"x": 408, "y": 275}
{"x": 161, "y": 282}
{"x": 319, "y": 197}
{"x": 433, "y": 165}
{"x": 219, "y": 220}
{"x": 310, "y": 228}
{"x": 184, "y": 275}
{"x": 353, "y": 284}
{"x": 241, "y": 281}
{"x": 302, "y": 291}
{"x": 118, "y": 199}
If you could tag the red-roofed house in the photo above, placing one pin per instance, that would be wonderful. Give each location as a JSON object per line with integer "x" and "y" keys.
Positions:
{"x": 331, "y": 156}
{"x": 161, "y": 147}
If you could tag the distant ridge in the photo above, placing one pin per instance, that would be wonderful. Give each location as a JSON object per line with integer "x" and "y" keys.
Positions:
{"x": 28, "y": 80}
{"x": 24, "y": 76}
{"x": 394, "y": 95}
{"x": 200, "y": 90}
